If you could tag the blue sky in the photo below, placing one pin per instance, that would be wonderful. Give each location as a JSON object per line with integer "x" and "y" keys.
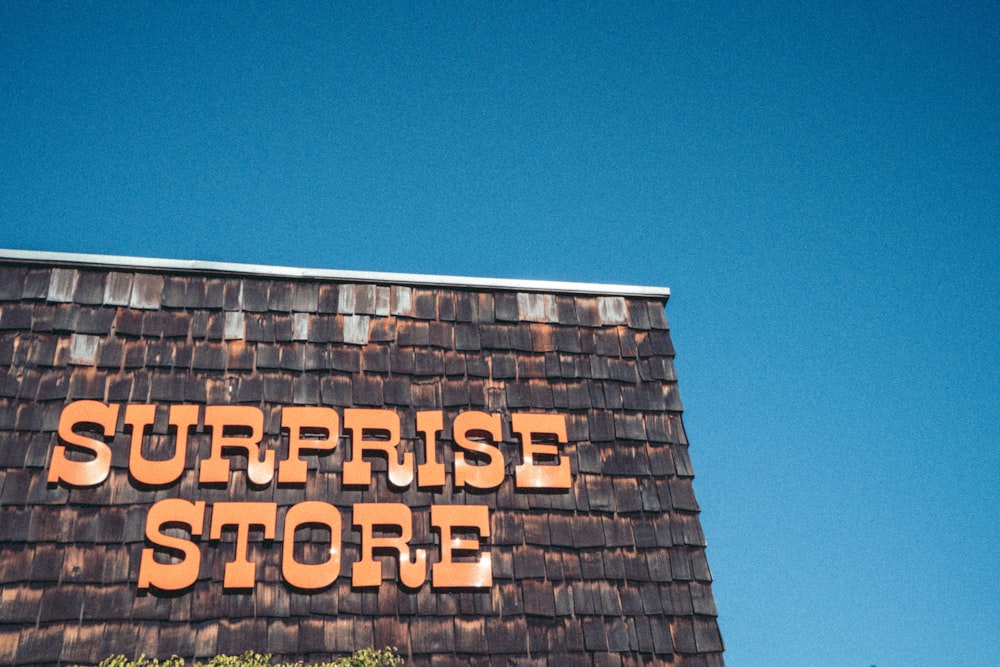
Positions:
{"x": 818, "y": 184}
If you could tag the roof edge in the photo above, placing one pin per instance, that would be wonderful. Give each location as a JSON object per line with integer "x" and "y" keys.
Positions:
{"x": 8, "y": 256}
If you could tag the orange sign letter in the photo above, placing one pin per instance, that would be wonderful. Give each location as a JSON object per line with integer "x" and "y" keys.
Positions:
{"x": 530, "y": 474}
{"x": 301, "y": 422}
{"x": 240, "y": 572}
{"x": 83, "y": 473}
{"x": 223, "y": 419}
{"x": 447, "y": 573}
{"x": 368, "y": 571}
{"x": 160, "y": 472}
{"x": 490, "y": 474}
{"x": 172, "y": 576}
{"x": 360, "y": 421}
{"x": 304, "y": 575}
{"x": 431, "y": 472}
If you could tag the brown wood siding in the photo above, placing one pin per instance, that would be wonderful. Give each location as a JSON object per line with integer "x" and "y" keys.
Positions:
{"x": 609, "y": 572}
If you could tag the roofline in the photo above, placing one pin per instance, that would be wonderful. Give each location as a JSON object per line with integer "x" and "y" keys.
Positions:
{"x": 8, "y": 256}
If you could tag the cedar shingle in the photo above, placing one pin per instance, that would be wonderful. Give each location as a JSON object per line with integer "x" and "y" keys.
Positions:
{"x": 470, "y": 635}
{"x": 503, "y": 366}
{"x": 283, "y": 636}
{"x": 531, "y": 367}
{"x": 196, "y": 296}
{"x": 36, "y": 285}
{"x": 680, "y": 566}
{"x": 62, "y": 285}
{"x": 16, "y": 565}
{"x": 494, "y": 336}
{"x": 454, "y": 364}
{"x": 280, "y": 296}
{"x": 611, "y": 309}
{"x": 506, "y": 636}
{"x": 518, "y": 395}
{"x": 643, "y": 633}
{"x": 539, "y": 599}
{"x": 42, "y": 645}
{"x": 627, "y": 498}
{"x": 382, "y": 330}
{"x": 657, "y": 315}
{"x": 240, "y": 356}
{"x": 147, "y": 289}
{"x": 637, "y": 313}
{"x": 706, "y": 635}
{"x": 537, "y": 307}
{"x": 682, "y": 633}
{"x": 682, "y": 461}
{"x": 618, "y": 635}
{"x": 65, "y": 317}
{"x": 254, "y": 295}
{"x": 424, "y": 303}
{"x": 410, "y": 333}
{"x": 81, "y": 644}
{"x": 64, "y": 603}
{"x": 12, "y": 282}
{"x": 95, "y": 320}
{"x": 175, "y": 292}
{"x": 520, "y": 337}
{"x": 367, "y": 391}
{"x": 455, "y": 393}
{"x": 311, "y": 635}
{"x": 89, "y": 288}
{"x": 467, "y": 337}
{"x": 259, "y": 328}
{"x": 441, "y": 335}
{"x": 129, "y": 323}
{"x": 505, "y": 307}
{"x": 529, "y": 562}
{"x": 435, "y": 636}
{"x": 701, "y": 599}
{"x": 682, "y": 495}
{"x": 594, "y": 634}
{"x": 209, "y": 356}
{"x": 328, "y": 298}
{"x": 355, "y": 329}
{"x": 663, "y": 639}
{"x": 614, "y": 565}
{"x": 428, "y": 362}
{"x": 699, "y": 565}
{"x": 305, "y": 298}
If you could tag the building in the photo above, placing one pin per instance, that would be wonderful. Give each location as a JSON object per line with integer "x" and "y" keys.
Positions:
{"x": 201, "y": 458}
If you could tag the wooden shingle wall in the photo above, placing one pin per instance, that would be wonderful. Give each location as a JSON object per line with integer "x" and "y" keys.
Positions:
{"x": 610, "y": 572}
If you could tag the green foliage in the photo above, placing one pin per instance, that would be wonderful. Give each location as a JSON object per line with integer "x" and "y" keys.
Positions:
{"x": 141, "y": 661}
{"x": 368, "y": 657}
{"x": 386, "y": 657}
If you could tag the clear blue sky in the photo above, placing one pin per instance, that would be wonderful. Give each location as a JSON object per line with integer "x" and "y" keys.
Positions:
{"x": 818, "y": 183}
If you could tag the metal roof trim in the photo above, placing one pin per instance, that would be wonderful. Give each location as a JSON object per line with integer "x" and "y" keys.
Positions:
{"x": 203, "y": 266}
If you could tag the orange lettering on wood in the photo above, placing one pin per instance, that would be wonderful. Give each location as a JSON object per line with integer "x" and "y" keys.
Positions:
{"x": 431, "y": 472}
{"x": 530, "y": 474}
{"x": 159, "y": 472}
{"x": 476, "y": 424}
{"x": 311, "y": 576}
{"x": 223, "y": 420}
{"x": 451, "y": 574}
{"x": 90, "y": 472}
{"x": 172, "y": 576}
{"x": 303, "y": 425}
{"x": 393, "y": 516}
{"x": 240, "y": 572}
{"x": 376, "y": 423}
